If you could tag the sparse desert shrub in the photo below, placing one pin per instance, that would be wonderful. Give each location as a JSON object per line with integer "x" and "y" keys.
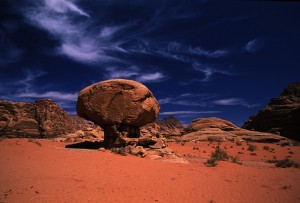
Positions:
{"x": 182, "y": 143}
{"x": 287, "y": 163}
{"x": 217, "y": 155}
{"x": 274, "y": 157}
{"x": 195, "y": 148}
{"x": 236, "y": 160}
{"x": 211, "y": 163}
{"x": 272, "y": 161}
{"x": 252, "y": 147}
{"x": 240, "y": 152}
{"x": 231, "y": 147}
{"x": 266, "y": 148}
{"x": 290, "y": 152}
{"x": 253, "y": 154}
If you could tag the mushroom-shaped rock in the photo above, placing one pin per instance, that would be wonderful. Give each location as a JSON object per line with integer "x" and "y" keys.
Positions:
{"x": 119, "y": 106}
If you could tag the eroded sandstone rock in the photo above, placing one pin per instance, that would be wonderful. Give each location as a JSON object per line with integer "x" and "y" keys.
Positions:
{"x": 42, "y": 119}
{"x": 281, "y": 115}
{"x": 119, "y": 106}
{"x": 216, "y": 129}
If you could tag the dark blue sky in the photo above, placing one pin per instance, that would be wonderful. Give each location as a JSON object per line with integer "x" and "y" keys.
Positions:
{"x": 199, "y": 58}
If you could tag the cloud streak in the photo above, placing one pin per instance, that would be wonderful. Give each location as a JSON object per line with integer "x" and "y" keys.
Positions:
{"x": 208, "y": 71}
{"x": 188, "y": 99}
{"x": 58, "y": 96}
{"x": 134, "y": 73}
{"x": 234, "y": 102}
{"x": 78, "y": 41}
{"x": 253, "y": 45}
{"x": 187, "y": 112}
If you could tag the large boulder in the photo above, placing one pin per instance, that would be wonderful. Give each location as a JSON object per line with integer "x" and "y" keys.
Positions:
{"x": 119, "y": 106}
{"x": 42, "y": 119}
{"x": 281, "y": 115}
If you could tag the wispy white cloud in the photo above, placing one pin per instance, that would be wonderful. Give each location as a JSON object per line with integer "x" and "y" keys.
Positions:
{"x": 187, "y": 112}
{"x": 211, "y": 54}
{"x": 234, "y": 102}
{"x": 57, "y": 96}
{"x": 114, "y": 72}
{"x": 109, "y": 31}
{"x": 177, "y": 47}
{"x": 208, "y": 71}
{"x": 188, "y": 99}
{"x": 253, "y": 45}
{"x": 63, "y": 6}
{"x": 134, "y": 73}
{"x": 151, "y": 77}
{"x": 78, "y": 40}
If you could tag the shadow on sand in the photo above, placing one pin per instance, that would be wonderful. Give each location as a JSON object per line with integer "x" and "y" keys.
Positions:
{"x": 87, "y": 145}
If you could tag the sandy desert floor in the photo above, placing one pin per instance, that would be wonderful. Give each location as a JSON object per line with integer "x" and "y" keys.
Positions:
{"x": 45, "y": 171}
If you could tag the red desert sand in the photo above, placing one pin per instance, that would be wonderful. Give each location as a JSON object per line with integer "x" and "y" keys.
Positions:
{"x": 45, "y": 171}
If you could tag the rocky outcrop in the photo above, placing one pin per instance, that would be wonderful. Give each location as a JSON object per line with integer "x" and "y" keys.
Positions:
{"x": 52, "y": 119}
{"x": 90, "y": 133}
{"x": 281, "y": 115}
{"x": 216, "y": 129}
{"x": 119, "y": 106}
{"x": 18, "y": 119}
{"x": 167, "y": 127}
{"x": 42, "y": 119}
{"x": 170, "y": 126}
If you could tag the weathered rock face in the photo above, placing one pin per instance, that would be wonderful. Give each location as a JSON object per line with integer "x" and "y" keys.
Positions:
{"x": 167, "y": 127}
{"x": 18, "y": 119}
{"x": 216, "y": 129}
{"x": 43, "y": 118}
{"x": 282, "y": 115}
{"x": 119, "y": 106}
{"x": 171, "y": 126}
{"x": 52, "y": 119}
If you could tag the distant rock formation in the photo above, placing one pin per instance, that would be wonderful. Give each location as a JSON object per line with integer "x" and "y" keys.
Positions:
{"x": 118, "y": 106}
{"x": 281, "y": 116}
{"x": 216, "y": 129}
{"x": 42, "y": 119}
{"x": 170, "y": 126}
{"x": 167, "y": 127}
